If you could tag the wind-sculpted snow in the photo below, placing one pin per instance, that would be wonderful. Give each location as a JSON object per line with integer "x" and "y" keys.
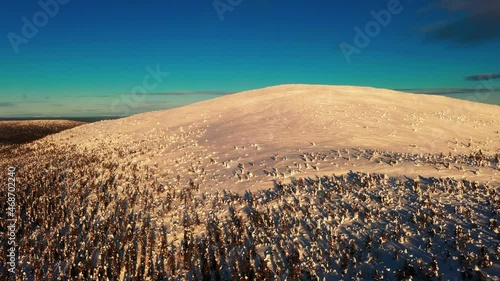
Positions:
{"x": 78, "y": 222}
{"x": 286, "y": 183}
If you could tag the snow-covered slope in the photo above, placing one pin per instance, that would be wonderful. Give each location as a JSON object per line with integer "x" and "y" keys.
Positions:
{"x": 284, "y": 122}
{"x": 294, "y": 182}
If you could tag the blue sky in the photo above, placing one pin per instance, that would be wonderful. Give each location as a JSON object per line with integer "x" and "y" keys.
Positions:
{"x": 90, "y": 58}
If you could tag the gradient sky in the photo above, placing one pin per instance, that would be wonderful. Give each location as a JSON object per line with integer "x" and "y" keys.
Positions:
{"x": 91, "y": 55}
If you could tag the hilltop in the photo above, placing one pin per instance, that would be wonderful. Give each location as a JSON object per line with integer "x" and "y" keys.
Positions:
{"x": 273, "y": 128}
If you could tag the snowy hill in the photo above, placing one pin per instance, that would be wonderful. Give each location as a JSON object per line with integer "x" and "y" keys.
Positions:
{"x": 294, "y": 181}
